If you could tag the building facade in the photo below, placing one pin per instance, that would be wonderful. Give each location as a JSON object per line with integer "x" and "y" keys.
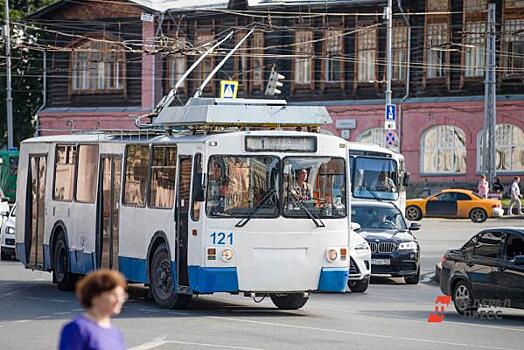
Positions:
{"x": 109, "y": 62}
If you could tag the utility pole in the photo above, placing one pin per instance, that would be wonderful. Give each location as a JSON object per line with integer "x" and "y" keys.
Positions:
{"x": 9, "y": 98}
{"x": 490, "y": 99}
{"x": 389, "y": 44}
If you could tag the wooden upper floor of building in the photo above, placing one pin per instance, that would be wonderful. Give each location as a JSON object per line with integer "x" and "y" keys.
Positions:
{"x": 130, "y": 53}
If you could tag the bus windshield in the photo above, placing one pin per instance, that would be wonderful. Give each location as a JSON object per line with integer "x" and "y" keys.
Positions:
{"x": 314, "y": 187}
{"x": 238, "y": 184}
{"x": 375, "y": 177}
{"x": 372, "y": 217}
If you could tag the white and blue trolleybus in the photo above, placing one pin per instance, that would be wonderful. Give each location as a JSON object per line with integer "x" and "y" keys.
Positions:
{"x": 218, "y": 196}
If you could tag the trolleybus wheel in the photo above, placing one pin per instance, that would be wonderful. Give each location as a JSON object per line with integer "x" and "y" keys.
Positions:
{"x": 65, "y": 280}
{"x": 290, "y": 301}
{"x": 161, "y": 279}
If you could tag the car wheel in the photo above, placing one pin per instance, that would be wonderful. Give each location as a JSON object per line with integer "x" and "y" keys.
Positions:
{"x": 4, "y": 256}
{"x": 463, "y": 298}
{"x": 413, "y": 279}
{"x": 478, "y": 215}
{"x": 290, "y": 301}
{"x": 413, "y": 213}
{"x": 65, "y": 280}
{"x": 162, "y": 285}
{"x": 359, "y": 286}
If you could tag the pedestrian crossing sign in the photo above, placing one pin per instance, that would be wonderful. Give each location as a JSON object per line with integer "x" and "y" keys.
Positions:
{"x": 228, "y": 88}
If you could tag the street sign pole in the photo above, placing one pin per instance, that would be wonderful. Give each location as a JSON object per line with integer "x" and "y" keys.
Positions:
{"x": 389, "y": 124}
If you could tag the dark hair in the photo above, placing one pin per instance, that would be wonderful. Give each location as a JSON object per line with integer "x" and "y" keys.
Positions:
{"x": 96, "y": 283}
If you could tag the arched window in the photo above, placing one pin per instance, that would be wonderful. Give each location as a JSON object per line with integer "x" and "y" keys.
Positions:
{"x": 509, "y": 143}
{"x": 375, "y": 136}
{"x": 443, "y": 150}
{"x": 97, "y": 67}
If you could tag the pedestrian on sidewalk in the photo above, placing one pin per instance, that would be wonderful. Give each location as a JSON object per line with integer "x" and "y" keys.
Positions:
{"x": 497, "y": 187}
{"x": 102, "y": 293}
{"x": 515, "y": 196}
{"x": 483, "y": 187}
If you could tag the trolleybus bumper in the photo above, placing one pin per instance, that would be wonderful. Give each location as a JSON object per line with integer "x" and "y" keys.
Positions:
{"x": 333, "y": 279}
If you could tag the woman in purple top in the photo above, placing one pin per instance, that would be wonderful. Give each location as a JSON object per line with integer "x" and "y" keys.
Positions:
{"x": 102, "y": 293}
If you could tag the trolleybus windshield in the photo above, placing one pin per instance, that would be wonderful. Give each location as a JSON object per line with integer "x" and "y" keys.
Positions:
{"x": 314, "y": 186}
{"x": 375, "y": 174}
{"x": 238, "y": 184}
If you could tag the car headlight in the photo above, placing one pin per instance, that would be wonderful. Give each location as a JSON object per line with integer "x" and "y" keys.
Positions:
{"x": 407, "y": 246}
{"x": 362, "y": 246}
{"x": 11, "y": 230}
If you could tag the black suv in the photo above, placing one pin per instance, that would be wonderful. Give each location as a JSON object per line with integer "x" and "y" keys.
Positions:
{"x": 487, "y": 271}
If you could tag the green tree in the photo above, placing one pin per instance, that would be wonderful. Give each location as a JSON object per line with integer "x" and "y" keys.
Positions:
{"x": 27, "y": 69}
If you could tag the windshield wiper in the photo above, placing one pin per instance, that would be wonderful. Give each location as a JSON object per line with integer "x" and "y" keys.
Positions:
{"x": 310, "y": 214}
{"x": 256, "y": 208}
{"x": 373, "y": 193}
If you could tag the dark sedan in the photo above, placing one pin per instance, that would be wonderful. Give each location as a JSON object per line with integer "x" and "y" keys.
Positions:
{"x": 487, "y": 271}
{"x": 394, "y": 249}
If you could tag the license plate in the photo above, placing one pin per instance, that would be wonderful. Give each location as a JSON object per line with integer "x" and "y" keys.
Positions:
{"x": 380, "y": 261}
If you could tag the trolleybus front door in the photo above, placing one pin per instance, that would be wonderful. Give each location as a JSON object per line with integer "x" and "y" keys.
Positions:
{"x": 108, "y": 212}
{"x": 182, "y": 218}
{"x": 36, "y": 209}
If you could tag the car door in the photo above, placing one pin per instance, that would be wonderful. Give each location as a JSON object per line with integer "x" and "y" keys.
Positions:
{"x": 510, "y": 276}
{"x": 463, "y": 204}
{"x": 442, "y": 205}
{"x": 483, "y": 266}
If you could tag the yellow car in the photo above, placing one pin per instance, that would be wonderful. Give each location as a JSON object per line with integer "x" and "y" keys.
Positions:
{"x": 454, "y": 203}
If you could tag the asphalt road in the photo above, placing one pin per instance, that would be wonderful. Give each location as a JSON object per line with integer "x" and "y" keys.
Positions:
{"x": 390, "y": 315}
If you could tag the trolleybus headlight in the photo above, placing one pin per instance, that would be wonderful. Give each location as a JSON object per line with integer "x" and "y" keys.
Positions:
{"x": 332, "y": 255}
{"x": 227, "y": 254}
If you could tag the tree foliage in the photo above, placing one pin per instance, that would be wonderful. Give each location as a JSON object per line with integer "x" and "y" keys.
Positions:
{"x": 27, "y": 70}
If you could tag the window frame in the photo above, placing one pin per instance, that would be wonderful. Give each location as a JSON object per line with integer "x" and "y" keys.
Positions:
{"x": 513, "y": 147}
{"x": 172, "y": 59}
{"x": 400, "y": 69}
{"x": 124, "y": 175}
{"x": 256, "y": 85}
{"x": 210, "y": 88}
{"x": 150, "y": 175}
{"x": 309, "y": 49}
{"x": 121, "y": 57}
{"x": 239, "y": 59}
{"x": 73, "y": 189}
{"x": 326, "y": 64}
{"x": 470, "y": 39}
{"x": 97, "y": 171}
{"x": 431, "y": 19}
{"x": 362, "y": 29}
{"x": 422, "y": 153}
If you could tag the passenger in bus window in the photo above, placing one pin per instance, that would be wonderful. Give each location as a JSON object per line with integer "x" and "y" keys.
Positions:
{"x": 102, "y": 293}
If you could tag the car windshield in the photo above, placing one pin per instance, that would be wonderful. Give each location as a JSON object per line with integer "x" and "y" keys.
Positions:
{"x": 237, "y": 184}
{"x": 314, "y": 187}
{"x": 374, "y": 217}
{"x": 378, "y": 175}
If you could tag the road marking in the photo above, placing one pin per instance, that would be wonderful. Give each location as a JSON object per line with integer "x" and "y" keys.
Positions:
{"x": 149, "y": 310}
{"x": 63, "y": 313}
{"x": 21, "y": 321}
{"x": 484, "y": 326}
{"x": 326, "y": 330}
{"x": 159, "y": 342}
{"x": 61, "y": 301}
{"x": 42, "y": 317}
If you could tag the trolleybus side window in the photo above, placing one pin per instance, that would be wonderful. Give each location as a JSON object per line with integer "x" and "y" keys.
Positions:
{"x": 64, "y": 172}
{"x": 197, "y": 186}
{"x": 163, "y": 175}
{"x": 136, "y": 172}
{"x": 314, "y": 186}
{"x": 87, "y": 173}
{"x": 240, "y": 186}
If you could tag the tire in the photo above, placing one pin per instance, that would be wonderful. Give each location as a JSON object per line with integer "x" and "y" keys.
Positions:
{"x": 463, "y": 298}
{"x": 4, "y": 256}
{"x": 65, "y": 280}
{"x": 291, "y": 301}
{"x": 478, "y": 215}
{"x": 359, "y": 286}
{"x": 161, "y": 281}
{"x": 413, "y": 213}
{"x": 413, "y": 279}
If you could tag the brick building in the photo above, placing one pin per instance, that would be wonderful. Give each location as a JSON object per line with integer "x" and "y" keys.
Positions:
{"x": 107, "y": 63}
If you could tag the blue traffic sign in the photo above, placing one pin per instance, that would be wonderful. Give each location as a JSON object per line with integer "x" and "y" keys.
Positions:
{"x": 391, "y": 138}
{"x": 391, "y": 112}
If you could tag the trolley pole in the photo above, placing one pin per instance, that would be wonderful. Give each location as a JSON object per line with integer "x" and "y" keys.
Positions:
{"x": 9, "y": 99}
{"x": 490, "y": 99}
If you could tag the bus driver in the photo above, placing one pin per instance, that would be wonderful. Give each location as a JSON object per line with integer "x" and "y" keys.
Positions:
{"x": 302, "y": 189}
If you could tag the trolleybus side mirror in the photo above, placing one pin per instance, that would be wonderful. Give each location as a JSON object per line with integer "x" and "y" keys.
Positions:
{"x": 355, "y": 226}
{"x": 198, "y": 194}
{"x": 405, "y": 180}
